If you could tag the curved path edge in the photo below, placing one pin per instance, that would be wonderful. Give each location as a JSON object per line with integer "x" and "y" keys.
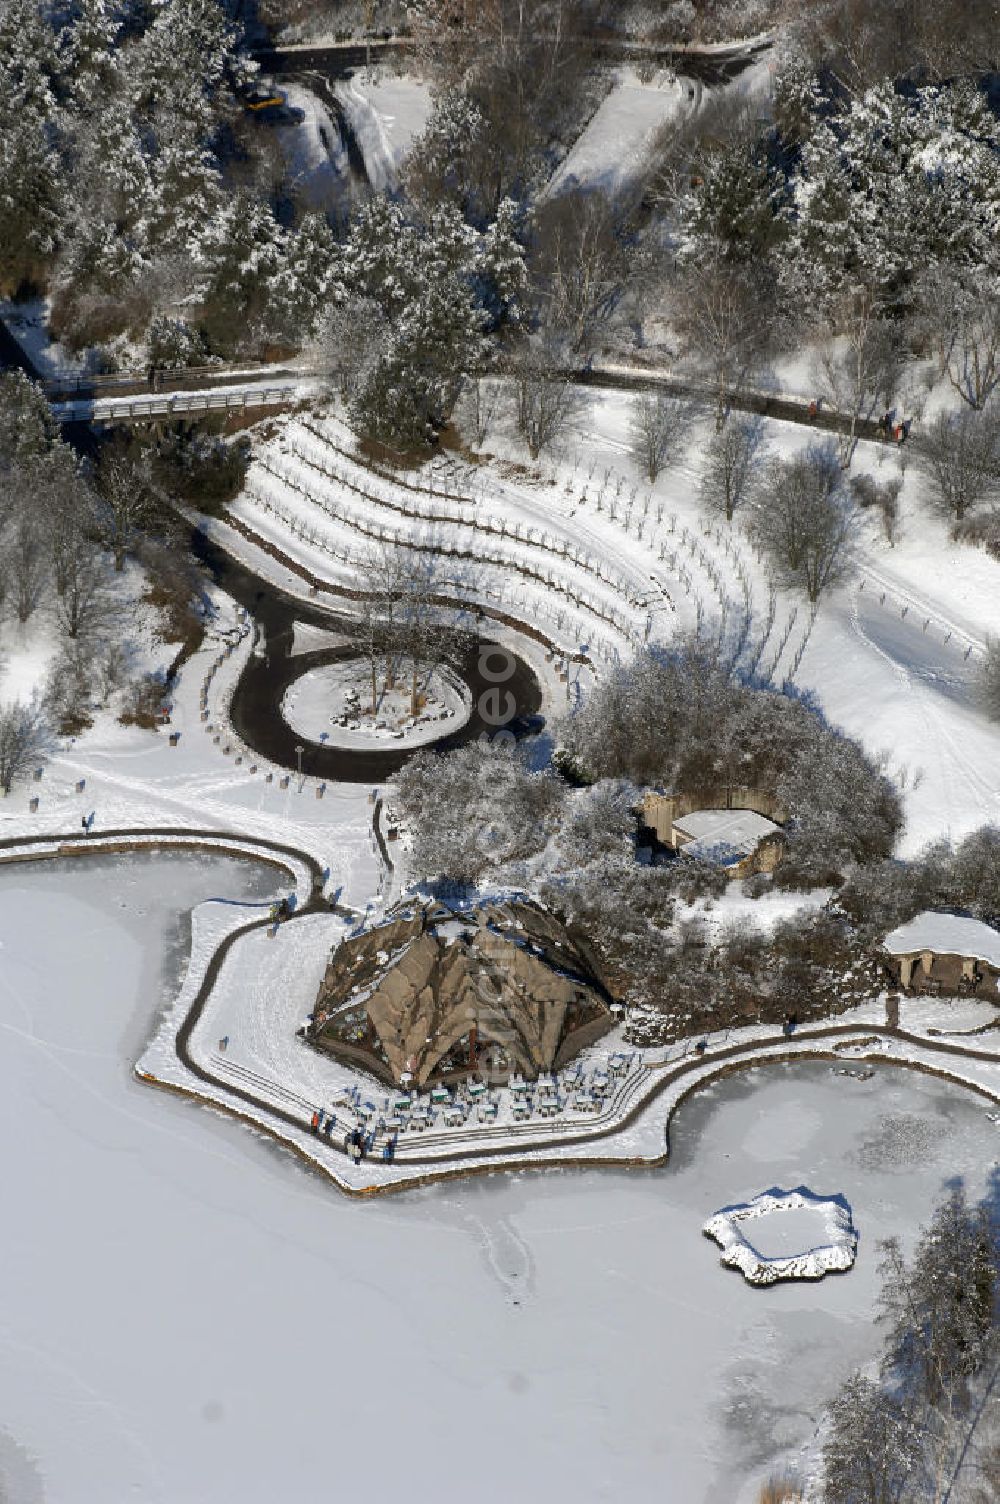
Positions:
{"x": 820, "y": 1043}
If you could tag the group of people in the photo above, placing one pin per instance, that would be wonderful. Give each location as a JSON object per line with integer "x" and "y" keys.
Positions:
{"x": 890, "y": 427}
{"x": 896, "y": 429}
{"x": 357, "y": 1142}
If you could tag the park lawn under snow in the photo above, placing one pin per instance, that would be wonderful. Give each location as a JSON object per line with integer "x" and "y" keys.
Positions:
{"x": 891, "y": 656}
{"x": 614, "y": 148}
{"x": 180, "y": 1299}
{"x": 386, "y": 113}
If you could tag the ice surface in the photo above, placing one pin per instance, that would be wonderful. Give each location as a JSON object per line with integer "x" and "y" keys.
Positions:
{"x": 178, "y": 1295}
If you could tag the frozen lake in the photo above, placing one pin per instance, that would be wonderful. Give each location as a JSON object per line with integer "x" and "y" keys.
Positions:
{"x": 190, "y": 1317}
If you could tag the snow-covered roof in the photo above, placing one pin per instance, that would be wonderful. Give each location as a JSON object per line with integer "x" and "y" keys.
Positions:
{"x": 946, "y": 935}
{"x": 723, "y": 834}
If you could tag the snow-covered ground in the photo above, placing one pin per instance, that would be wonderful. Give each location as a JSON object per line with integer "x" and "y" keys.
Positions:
{"x": 28, "y": 321}
{"x": 314, "y": 153}
{"x": 332, "y": 704}
{"x": 584, "y": 548}
{"x": 386, "y": 113}
{"x": 176, "y": 1295}
{"x": 615, "y": 147}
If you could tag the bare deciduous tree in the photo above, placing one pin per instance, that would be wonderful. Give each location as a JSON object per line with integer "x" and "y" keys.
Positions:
{"x": 404, "y": 627}
{"x": 658, "y": 422}
{"x": 83, "y": 606}
{"x": 546, "y": 400}
{"x": 484, "y": 400}
{"x": 128, "y": 500}
{"x": 27, "y": 565}
{"x": 805, "y": 520}
{"x": 964, "y": 318}
{"x": 884, "y": 496}
{"x": 579, "y": 264}
{"x": 736, "y": 459}
{"x": 24, "y": 737}
{"x": 722, "y": 317}
{"x": 962, "y": 455}
{"x": 858, "y": 373}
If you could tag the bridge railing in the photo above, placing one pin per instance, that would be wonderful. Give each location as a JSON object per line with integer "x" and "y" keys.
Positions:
{"x": 136, "y": 409}
{"x": 69, "y": 383}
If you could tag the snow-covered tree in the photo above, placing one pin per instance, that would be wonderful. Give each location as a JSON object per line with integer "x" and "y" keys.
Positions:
{"x": 28, "y": 430}
{"x": 88, "y": 53}
{"x": 24, "y": 738}
{"x": 804, "y": 519}
{"x": 657, "y": 426}
{"x": 961, "y": 452}
{"x": 873, "y": 1448}
{"x": 241, "y": 253}
{"x": 476, "y": 812}
{"x": 734, "y": 465}
{"x": 501, "y": 269}
{"x": 892, "y": 185}
{"x": 422, "y": 280}
{"x": 940, "y": 1308}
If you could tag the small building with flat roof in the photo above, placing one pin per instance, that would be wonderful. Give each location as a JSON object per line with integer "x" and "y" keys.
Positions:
{"x": 937, "y": 951}
{"x": 740, "y": 831}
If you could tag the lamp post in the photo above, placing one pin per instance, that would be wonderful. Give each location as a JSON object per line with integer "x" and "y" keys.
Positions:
{"x": 298, "y": 756}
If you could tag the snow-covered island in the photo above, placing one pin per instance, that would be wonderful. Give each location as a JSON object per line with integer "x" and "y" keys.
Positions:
{"x": 785, "y": 1235}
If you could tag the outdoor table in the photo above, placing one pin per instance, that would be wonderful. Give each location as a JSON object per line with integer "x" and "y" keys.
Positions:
{"x": 487, "y": 1111}
{"x": 440, "y": 1094}
{"x": 476, "y": 1089}
{"x": 519, "y": 1088}
{"x": 392, "y": 1125}
{"x": 522, "y": 1109}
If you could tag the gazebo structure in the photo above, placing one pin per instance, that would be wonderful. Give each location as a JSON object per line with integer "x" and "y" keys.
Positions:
{"x": 435, "y": 993}
{"x": 943, "y": 952}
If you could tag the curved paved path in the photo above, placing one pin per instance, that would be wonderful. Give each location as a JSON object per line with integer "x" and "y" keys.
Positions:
{"x": 817, "y": 1043}
{"x": 255, "y": 709}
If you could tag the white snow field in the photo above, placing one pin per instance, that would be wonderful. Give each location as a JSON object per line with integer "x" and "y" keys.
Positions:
{"x": 613, "y": 149}
{"x": 385, "y": 113}
{"x": 316, "y": 704}
{"x": 190, "y": 1316}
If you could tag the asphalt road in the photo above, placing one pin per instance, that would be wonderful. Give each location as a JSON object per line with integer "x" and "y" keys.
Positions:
{"x": 255, "y": 709}
{"x": 340, "y": 60}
